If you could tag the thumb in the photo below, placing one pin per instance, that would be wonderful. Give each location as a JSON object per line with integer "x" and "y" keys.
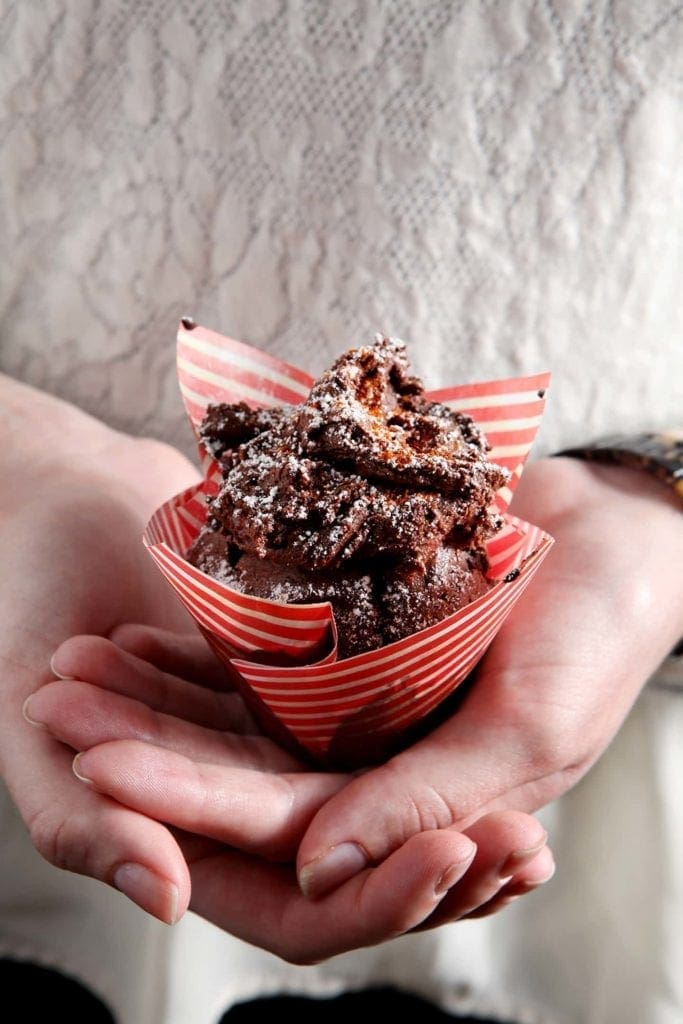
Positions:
{"x": 451, "y": 778}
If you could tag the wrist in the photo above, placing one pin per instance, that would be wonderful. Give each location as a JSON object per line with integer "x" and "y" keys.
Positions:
{"x": 648, "y": 466}
{"x": 621, "y": 529}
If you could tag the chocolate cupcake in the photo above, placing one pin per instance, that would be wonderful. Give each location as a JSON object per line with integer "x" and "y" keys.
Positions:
{"x": 367, "y": 495}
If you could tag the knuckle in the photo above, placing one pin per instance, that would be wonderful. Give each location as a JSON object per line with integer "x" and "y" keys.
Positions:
{"x": 544, "y": 750}
{"x": 548, "y": 738}
{"x": 44, "y": 834}
{"x": 62, "y": 841}
{"x": 432, "y": 809}
{"x": 119, "y": 634}
{"x": 134, "y": 639}
{"x": 409, "y": 806}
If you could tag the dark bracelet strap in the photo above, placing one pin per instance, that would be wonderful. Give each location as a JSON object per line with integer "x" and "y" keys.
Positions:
{"x": 659, "y": 454}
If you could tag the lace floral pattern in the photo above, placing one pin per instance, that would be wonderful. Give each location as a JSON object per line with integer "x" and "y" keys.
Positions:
{"x": 499, "y": 184}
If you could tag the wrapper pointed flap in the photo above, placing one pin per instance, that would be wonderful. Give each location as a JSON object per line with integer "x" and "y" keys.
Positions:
{"x": 213, "y": 368}
{"x": 283, "y": 657}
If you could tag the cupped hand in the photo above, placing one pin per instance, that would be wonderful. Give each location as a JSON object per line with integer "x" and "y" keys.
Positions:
{"x": 559, "y": 679}
{"x": 185, "y": 756}
{"x": 74, "y": 500}
{"x": 79, "y": 495}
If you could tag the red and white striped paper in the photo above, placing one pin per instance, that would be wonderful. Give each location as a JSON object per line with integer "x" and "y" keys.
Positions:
{"x": 283, "y": 657}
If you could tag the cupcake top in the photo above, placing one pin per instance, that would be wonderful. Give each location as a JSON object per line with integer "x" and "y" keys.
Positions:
{"x": 366, "y": 471}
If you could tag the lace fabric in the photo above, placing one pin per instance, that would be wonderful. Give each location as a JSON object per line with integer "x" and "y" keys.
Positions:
{"x": 499, "y": 184}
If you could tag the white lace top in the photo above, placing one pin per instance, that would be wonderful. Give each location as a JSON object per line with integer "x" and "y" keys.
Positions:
{"x": 500, "y": 184}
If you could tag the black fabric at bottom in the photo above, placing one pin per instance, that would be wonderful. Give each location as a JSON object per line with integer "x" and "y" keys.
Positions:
{"x": 45, "y": 992}
{"x": 38, "y": 992}
{"x": 341, "y": 1009}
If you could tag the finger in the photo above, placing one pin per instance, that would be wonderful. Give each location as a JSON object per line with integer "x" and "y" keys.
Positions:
{"x": 99, "y": 661}
{"x": 530, "y": 877}
{"x": 254, "y": 811}
{"x": 263, "y": 904}
{"x": 506, "y": 842}
{"x": 77, "y": 829}
{"x": 187, "y": 655}
{"x": 464, "y": 769}
{"x": 84, "y": 716}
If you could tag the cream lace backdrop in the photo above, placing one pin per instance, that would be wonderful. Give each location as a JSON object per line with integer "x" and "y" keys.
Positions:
{"x": 500, "y": 184}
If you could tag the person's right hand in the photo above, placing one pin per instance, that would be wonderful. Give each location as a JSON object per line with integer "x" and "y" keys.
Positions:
{"x": 74, "y": 500}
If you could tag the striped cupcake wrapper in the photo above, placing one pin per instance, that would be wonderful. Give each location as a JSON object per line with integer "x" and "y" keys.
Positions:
{"x": 283, "y": 657}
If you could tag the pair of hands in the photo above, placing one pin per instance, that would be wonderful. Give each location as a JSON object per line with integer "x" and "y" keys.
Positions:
{"x": 185, "y": 801}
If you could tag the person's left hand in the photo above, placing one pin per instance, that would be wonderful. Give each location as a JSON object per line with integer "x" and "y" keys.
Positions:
{"x": 553, "y": 689}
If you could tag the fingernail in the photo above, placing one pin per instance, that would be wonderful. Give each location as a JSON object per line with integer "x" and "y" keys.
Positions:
{"x": 26, "y": 713}
{"x": 331, "y": 869}
{"x": 528, "y": 886}
{"x": 78, "y": 771}
{"x": 156, "y": 895}
{"x": 455, "y": 872}
{"x": 515, "y": 889}
{"x": 519, "y": 858}
{"x": 56, "y": 672}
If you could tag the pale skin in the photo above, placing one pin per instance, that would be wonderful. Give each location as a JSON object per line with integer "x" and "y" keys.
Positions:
{"x": 441, "y": 832}
{"x": 73, "y": 563}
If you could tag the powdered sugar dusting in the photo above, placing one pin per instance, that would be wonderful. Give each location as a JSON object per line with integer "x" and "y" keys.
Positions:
{"x": 351, "y": 496}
